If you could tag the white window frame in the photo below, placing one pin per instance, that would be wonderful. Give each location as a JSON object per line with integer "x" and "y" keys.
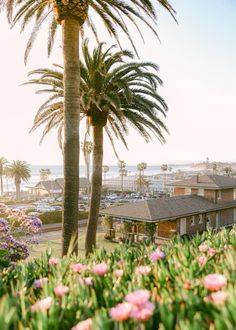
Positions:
{"x": 193, "y": 223}
{"x": 183, "y": 226}
{"x": 234, "y": 194}
{"x": 208, "y": 226}
{"x": 219, "y": 194}
{"x": 188, "y": 191}
{"x": 201, "y": 192}
{"x": 200, "y": 219}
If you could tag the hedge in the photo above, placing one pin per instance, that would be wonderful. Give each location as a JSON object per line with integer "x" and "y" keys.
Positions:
{"x": 56, "y": 216}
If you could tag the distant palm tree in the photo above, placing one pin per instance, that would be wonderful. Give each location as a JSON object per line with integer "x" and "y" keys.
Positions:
{"x": 3, "y": 162}
{"x": 87, "y": 148}
{"x": 228, "y": 170}
{"x": 44, "y": 174}
{"x": 164, "y": 169}
{"x": 72, "y": 15}
{"x": 105, "y": 169}
{"x": 114, "y": 94}
{"x": 122, "y": 172}
{"x": 141, "y": 178}
{"x": 19, "y": 171}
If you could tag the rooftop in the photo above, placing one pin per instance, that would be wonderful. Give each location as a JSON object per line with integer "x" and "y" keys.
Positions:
{"x": 207, "y": 181}
{"x": 165, "y": 208}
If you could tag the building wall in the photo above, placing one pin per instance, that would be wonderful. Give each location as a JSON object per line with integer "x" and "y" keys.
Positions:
{"x": 226, "y": 217}
{"x": 227, "y": 194}
{"x": 179, "y": 191}
{"x": 194, "y": 191}
{"x": 197, "y": 226}
{"x": 167, "y": 228}
{"x": 210, "y": 194}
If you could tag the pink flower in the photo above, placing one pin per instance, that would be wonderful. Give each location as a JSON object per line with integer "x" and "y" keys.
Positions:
{"x": 83, "y": 325}
{"x": 214, "y": 282}
{"x": 121, "y": 312}
{"x": 211, "y": 252}
{"x": 40, "y": 282}
{"x": 142, "y": 312}
{"x": 187, "y": 285}
{"x": 219, "y": 297}
{"x": 138, "y": 297}
{"x": 86, "y": 281}
{"x": 157, "y": 255}
{"x": 203, "y": 247}
{"x": 61, "y": 290}
{"x": 118, "y": 273}
{"x": 78, "y": 268}
{"x": 42, "y": 305}
{"x": 202, "y": 260}
{"x": 53, "y": 261}
{"x": 100, "y": 269}
{"x": 142, "y": 270}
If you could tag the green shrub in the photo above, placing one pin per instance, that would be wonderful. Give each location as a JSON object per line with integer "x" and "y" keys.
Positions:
{"x": 56, "y": 216}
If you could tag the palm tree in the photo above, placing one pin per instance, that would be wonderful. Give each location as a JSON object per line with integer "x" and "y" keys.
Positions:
{"x": 122, "y": 172}
{"x": 164, "y": 169}
{"x": 87, "y": 148}
{"x": 105, "y": 169}
{"x": 3, "y": 162}
{"x": 44, "y": 173}
{"x": 71, "y": 15}
{"x": 19, "y": 171}
{"x": 141, "y": 178}
{"x": 114, "y": 95}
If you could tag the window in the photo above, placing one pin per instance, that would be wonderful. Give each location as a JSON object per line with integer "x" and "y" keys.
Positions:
{"x": 192, "y": 221}
{"x": 208, "y": 222}
{"x": 234, "y": 193}
{"x": 219, "y": 194}
{"x": 187, "y": 191}
{"x": 200, "y": 219}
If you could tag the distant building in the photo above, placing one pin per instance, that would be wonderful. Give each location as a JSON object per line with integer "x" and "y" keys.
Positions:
{"x": 54, "y": 187}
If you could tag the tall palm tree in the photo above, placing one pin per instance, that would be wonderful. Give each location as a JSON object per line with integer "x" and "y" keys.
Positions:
{"x": 19, "y": 171}
{"x": 122, "y": 172}
{"x": 141, "y": 178}
{"x": 114, "y": 95}
{"x": 44, "y": 174}
{"x": 164, "y": 169}
{"x": 3, "y": 162}
{"x": 71, "y": 15}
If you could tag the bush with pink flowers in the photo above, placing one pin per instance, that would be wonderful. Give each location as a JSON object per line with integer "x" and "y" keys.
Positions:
{"x": 180, "y": 286}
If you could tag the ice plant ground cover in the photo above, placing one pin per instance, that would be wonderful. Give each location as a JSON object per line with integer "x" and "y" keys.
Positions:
{"x": 186, "y": 285}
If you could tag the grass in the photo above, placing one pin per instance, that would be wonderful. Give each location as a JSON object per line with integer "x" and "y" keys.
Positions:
{"x": 55, "y": 245}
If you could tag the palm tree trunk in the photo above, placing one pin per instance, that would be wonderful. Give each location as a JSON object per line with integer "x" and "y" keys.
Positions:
{"x": 96, "y": 186}
{"x": 70, "y": 41}
{"x": 17, "y": 190}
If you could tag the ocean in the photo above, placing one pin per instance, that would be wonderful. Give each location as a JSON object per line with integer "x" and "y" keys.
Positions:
{"x": 57, "y": 172}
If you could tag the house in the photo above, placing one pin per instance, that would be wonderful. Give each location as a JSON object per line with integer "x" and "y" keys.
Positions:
{"x": 199, "y": 203}
{"x": 54, "y": 187}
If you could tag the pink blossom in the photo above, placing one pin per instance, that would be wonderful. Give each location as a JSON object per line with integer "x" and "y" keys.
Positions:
{"x": 143, "y": 270}
{"x": 100, "y": 269}
{"x": 202, "y": 260}
{"x": 86, "y": 281}
{"x": 78, "y": 268}
{"x": 61, "y": 290}
{"x": 203, "y": 247}
{"x": 211, "y": 252}
{"x": 83, "y": 325}
{"x": 53, "y": 261}
{"x": 138, "y": 297}
{"x": 157, "y": 255}
{"x": 219, "y": 297}
{"x": 142, "y": 312}
{"x": 118, "y": 272}
{"x": 121, "y": 312}
{"x": 214, "y": 282}
{"x": 40, "y": 282}
{"x": 42, "y": 305}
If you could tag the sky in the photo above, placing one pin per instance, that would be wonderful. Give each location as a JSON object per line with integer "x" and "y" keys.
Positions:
{"x": 197, "y": 60}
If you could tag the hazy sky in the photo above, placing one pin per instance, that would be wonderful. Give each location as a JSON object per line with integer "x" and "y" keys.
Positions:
{"x": 197, "y": 60}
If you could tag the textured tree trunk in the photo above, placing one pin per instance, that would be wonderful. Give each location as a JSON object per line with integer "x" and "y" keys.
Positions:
{"x": 70, "y": 41}
{"x": 17, "y": 183}
{"x": 96, "y": 186}
{"x": 1, "y": 183}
